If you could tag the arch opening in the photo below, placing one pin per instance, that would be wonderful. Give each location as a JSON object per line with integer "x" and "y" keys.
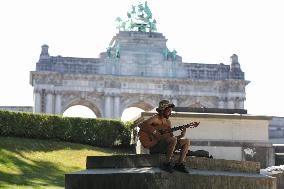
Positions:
{"x": 131, "y": 113}
{"x": 79, "y": 111}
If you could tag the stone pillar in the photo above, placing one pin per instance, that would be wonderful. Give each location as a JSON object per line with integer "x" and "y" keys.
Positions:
{"x": 49, "y": 103}
{"x": 117, "y": 107}
{"x": 44, "y": 52}
{"x": 37, "y": 102}
{"x": 221, "y": 103}
{"x": 231, "y": 103}
{"x": 108, "y": 106}
{"x": 58, "y": 103}
{"x": 241, "y": 104}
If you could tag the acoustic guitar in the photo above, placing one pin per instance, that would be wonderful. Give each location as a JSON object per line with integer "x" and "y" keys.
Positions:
{"x": 148, "y": 139}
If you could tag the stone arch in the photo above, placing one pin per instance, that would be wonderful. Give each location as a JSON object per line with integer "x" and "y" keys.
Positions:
{"x": 83, "y": 102}
{"x": 144, "y": 104}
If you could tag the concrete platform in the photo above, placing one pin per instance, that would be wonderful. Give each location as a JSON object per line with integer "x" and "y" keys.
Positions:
{"x": 142, "y": 171}
{"x": 146, "y": 160}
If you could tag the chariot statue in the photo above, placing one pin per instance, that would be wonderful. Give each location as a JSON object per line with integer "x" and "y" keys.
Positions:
{"x": 139, "y": 18}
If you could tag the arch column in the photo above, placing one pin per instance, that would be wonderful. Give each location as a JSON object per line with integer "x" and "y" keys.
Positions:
{"x": 231, "y": 103}
{"x": 116, "y": 108}
{"x": 49, "y": 103}
{"x": 221, "y": 103}
{"x": 58, "y": 104}
{"x": 240, "y": 103}
{"x": 108, "y": 105}
{"x": 37, "y": 102}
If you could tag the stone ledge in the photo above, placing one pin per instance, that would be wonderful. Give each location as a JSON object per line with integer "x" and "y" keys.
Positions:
{"x": 225, "y": 143}
{"x": 224, "y": 165}
{"x": 144, "y": 178}
{"x": 210, "y": 110}
{"x": 146, "y": 160}
{"x": 211, "y": 115}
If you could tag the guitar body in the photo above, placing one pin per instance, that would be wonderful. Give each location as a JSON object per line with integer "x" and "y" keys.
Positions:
{"x": 147, "y": 140}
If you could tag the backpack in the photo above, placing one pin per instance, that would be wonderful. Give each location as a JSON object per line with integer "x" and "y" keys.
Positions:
{"x": 199, "y": 153}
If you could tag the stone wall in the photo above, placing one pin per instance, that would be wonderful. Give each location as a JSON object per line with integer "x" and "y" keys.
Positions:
{"x": 276, "y": 130}
{"x": 231, "y": 137}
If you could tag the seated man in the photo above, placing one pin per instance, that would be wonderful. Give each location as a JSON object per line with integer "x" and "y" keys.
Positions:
{"x": 151, "y": 138}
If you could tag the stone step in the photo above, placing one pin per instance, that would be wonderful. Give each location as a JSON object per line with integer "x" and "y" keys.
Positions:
{"x": 154, "y": 177}
{"x": 146, "y": 160}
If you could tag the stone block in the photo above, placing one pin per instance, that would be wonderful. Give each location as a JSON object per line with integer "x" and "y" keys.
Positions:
{"x": 280, "y": 178}
{"x": 143, "y": 172}
{"x": 154, "y": 178}
{"x": 146, "y": 160}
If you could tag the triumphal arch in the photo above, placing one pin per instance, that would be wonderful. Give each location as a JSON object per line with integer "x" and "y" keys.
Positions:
{"x": 136, "y": 70}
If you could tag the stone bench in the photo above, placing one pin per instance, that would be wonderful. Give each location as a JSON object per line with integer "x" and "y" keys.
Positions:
{"x": 146, "y": 160}
{"x": 142, "y": 171}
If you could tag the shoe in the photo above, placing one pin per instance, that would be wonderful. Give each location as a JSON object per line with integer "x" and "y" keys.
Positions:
{"x": 181, "y": 167}
{"x": 167, "y": 167}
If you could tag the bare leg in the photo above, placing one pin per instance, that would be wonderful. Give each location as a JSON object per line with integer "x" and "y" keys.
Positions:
{"x": 171, "y": 148}
{"x": 184, "y": 149}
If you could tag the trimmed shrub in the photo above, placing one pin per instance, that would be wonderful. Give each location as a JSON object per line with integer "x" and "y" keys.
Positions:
{"x": 96, "y": 132}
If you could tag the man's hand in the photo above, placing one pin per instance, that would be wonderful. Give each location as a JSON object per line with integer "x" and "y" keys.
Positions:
{"x": 157, "y": 134}
{"x": 183, "y": 131}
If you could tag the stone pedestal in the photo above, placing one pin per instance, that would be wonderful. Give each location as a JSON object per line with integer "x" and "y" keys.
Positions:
{"x": 143, "y": 172}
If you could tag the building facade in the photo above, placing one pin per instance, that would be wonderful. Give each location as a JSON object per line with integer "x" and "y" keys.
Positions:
{"x": 137, "y": 70}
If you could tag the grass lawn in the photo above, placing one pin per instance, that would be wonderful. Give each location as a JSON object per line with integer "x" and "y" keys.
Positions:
{"x": 32, "y": 163}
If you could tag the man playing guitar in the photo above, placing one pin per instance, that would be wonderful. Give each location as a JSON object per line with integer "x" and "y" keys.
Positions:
{"x": 164, "y": 143}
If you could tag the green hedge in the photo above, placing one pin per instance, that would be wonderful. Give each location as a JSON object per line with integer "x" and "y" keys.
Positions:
{"x": 97, "y": 132}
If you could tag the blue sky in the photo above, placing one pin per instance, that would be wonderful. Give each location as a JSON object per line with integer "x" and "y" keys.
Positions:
{"x": 202, "y": 31}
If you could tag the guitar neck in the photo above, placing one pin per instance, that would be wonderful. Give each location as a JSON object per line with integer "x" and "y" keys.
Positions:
{"x": 170, "y": 130}
{"x": 176, "y": 128}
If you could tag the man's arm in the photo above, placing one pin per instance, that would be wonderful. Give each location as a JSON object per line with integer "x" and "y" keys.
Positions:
{"x": 170, "y": 126}
{"x": 182, "y": 134}
{"x": 183, "y": 130}
{"x": 147, "y": 126}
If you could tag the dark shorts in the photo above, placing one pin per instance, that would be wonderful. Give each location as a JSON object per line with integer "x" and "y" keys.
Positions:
{"x": 162, "y": 147}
